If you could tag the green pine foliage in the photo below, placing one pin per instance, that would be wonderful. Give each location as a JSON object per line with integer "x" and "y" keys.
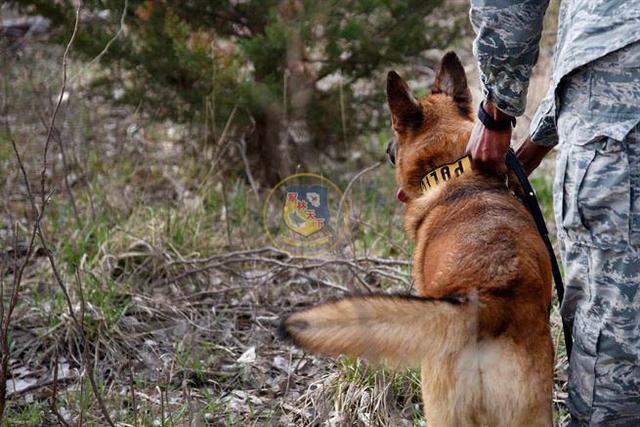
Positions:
{"x": 194, "y": 61}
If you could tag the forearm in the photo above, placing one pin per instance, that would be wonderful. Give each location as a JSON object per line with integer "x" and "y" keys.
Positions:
{"x": 506, "y": 47}
{"x": 531, "y": 155}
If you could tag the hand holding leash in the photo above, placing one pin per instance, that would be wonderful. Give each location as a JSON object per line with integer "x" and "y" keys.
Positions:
{"x": 490, "y": 139}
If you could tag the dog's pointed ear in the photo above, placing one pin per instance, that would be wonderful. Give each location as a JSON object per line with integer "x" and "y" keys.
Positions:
{"x": 406, "y": 112}
{"x": 451, "y": 80}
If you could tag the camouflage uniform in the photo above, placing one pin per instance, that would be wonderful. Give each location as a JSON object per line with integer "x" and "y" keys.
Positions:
{"x": 593, "y": 110}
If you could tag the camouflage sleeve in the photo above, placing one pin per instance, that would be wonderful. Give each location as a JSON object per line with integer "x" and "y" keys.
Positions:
{"x": 543, "y": 130}
{"x": 506, "y": 47}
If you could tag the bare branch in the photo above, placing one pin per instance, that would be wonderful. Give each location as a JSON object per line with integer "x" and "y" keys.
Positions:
{"x": 99, "y": 56}
{"x": 134, "y": 404}
{"x": 18, "y": 271}
{"x": 38, "y": 213}
{"x": 59, "y": 103}
{"x": 247, "y": 168}
{"x": 353, "y": 180}
{"x": 54, "y": 393}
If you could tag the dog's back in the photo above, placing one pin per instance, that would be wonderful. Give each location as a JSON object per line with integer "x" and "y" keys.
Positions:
{"x": 486, "y": 244}
{"x": 480, "y": 326}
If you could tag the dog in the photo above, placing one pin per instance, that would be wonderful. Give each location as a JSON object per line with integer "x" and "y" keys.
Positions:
{"x": 479, "y": 326}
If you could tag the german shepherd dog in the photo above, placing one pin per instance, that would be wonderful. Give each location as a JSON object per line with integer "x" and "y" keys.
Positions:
{"x": 480, "y": 325}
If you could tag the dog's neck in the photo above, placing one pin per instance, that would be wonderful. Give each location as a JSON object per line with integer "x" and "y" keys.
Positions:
{"x": 444, "y": 173}
{"x": 445, "y": 195}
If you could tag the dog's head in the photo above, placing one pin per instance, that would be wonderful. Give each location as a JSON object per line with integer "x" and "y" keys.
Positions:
{"x": 430, "y": 131}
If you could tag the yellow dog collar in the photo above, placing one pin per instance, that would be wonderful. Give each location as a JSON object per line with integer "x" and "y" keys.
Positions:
{"x": 445, "y": 173}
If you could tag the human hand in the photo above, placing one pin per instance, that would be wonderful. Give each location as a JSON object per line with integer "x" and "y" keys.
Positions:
{"x": 530, "y": 155}
{"x": 488, "y": 148}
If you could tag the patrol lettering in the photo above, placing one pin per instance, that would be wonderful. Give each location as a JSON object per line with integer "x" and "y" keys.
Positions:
{"x": 443, "y": 173}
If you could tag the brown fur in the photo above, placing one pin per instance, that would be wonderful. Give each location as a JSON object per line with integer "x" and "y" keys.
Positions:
{"x": 480, "y": 327}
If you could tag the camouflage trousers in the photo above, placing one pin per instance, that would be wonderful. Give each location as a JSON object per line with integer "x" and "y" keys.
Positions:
{"x": 597, "y": 204}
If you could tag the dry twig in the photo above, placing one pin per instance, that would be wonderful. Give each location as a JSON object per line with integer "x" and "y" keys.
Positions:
{"x": 38, "y": 212}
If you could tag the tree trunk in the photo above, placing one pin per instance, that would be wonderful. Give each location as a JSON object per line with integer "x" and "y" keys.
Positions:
{"x": 268, "y": 155}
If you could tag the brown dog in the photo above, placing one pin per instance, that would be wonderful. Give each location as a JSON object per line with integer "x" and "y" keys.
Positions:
{"x": 480, "y": 327}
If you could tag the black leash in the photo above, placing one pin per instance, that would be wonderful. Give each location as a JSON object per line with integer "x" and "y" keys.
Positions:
{"x": 531, "y": 202}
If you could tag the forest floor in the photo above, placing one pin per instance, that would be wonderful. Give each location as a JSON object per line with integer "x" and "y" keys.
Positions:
{"x": 153, "y": 295}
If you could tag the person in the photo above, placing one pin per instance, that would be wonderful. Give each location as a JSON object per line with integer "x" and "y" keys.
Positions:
{"x": 592, "y": 111}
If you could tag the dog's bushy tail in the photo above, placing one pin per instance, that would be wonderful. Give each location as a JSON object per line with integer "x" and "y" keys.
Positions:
{"x": 400, "y": 330}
